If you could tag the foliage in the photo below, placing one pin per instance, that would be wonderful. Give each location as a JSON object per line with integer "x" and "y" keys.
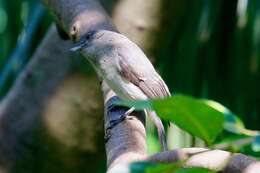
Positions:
{"x": 22, "y": 33}
{"x": 212, "y": 51}
{"x": 201, "y": 118}
{"x": 192, "y": 115}
{"x": 188, "y": 113}
{"x": 146, "y": 167}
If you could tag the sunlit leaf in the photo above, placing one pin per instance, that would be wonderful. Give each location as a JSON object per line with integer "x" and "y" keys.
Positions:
{"x": 202, "y": 118}
{"x": 192, "y": 115}
{"x": 232, "y": 123}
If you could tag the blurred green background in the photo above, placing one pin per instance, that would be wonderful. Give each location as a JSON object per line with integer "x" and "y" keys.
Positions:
{"x": 22, "y": 26}
{"x": 207, "y": 48}
{"x": 213, "y": 52}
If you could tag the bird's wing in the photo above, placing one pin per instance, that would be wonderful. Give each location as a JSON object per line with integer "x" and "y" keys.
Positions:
{"x": 143, "y": 76}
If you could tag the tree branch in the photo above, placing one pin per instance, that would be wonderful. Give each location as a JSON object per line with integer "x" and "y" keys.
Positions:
{"x": 218, "y": 160}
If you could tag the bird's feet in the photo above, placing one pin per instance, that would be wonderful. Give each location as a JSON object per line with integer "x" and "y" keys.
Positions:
{"x": 116, "y": 121}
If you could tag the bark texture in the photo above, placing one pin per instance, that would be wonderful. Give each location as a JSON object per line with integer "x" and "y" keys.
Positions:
{"x": 217, "y": 160}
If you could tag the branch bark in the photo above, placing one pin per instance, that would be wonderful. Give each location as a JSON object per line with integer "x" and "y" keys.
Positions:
{"x": 218, "y": 160}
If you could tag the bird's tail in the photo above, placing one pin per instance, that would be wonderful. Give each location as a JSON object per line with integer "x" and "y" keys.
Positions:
{"x": 159, "y": 125}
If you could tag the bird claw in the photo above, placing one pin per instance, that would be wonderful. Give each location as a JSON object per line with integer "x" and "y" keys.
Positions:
{"x": 115, "y": 122}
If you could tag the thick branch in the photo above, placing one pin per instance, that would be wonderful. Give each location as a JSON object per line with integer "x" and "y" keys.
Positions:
{"x": 218, "y": 160}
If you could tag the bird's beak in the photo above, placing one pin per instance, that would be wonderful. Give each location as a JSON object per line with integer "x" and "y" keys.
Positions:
{"x": 75, "y": 48}
{"x": 79, "y": 46}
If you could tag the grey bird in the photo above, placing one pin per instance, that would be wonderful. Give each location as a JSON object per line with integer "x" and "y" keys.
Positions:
{"x": 126, "y": 70}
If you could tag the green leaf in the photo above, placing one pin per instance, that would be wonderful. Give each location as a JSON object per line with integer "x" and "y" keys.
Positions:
{"x": 192, "y": 115}
{"x": 138, "y": 104}
{"x": 194, "y": 170}
{"x": 232, "y": 123}
{"x": 148, "y": 167}
{"x": 202, "y": 118}
{"x": 256, "y": 144}
{"x": 140, "y": 167}
{"x": 163, "y": 168}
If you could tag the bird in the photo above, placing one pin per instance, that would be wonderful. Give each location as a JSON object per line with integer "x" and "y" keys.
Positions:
{"x": 126, "y": 70}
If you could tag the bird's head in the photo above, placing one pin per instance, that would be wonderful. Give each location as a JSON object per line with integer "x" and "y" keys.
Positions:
{"x": 97, "y": 44}
{"x": 85, "y": 41}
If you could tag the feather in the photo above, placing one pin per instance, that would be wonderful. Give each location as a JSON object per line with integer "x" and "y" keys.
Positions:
{"x": 149, "y": 82}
